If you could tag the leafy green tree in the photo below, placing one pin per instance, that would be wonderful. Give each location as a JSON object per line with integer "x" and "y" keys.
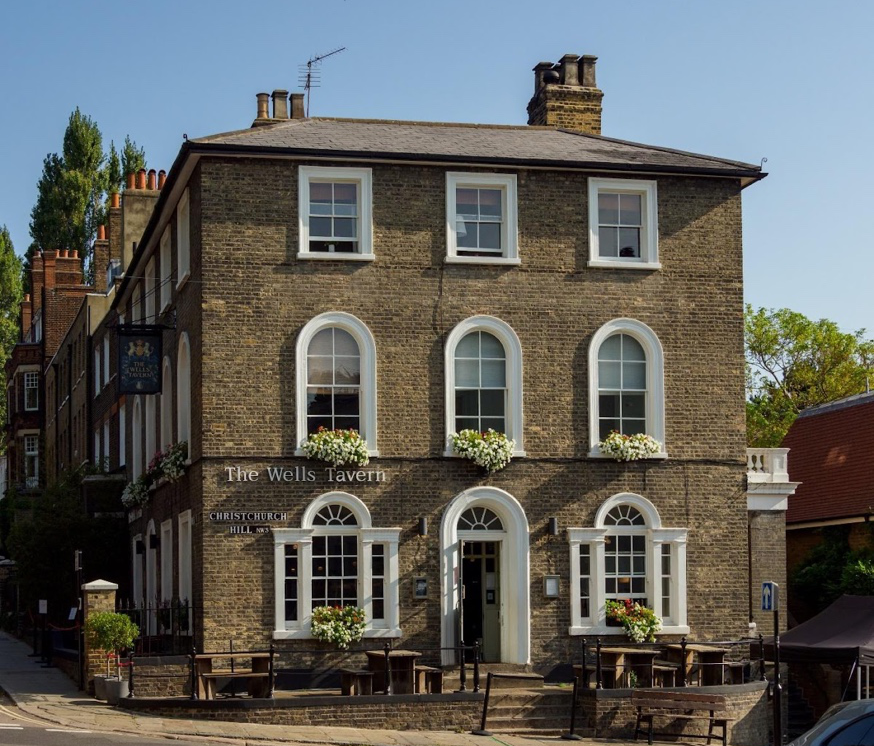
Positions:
{"x": 73, "y": 188}
{"x": 10, "y": 300}
{"x": 794, "y": 363}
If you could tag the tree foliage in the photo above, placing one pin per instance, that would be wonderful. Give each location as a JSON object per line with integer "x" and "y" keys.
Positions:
{"x": 10, "y": 301}
{"x": 794, "y": 363}
{"x": 73, "y": 189}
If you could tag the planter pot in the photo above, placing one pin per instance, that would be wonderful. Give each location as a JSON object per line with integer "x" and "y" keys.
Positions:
{"x": 116, "y": 688}
{"x": 100, "y": 686}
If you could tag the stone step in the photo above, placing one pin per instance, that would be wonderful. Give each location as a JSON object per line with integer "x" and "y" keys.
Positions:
{"x": 535, "y": 725}
{"x": 504, "y": 680}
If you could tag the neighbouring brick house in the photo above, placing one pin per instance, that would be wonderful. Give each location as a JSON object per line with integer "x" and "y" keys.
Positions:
{"x": 833, "y": 459}
{"x": 411, "y": 280}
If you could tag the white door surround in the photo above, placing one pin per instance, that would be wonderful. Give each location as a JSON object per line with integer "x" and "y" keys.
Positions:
{"x": 514, "y": 569}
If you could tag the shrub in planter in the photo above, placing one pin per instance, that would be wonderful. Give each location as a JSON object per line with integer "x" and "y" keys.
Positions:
{"x": 629, "y": 447}
{"x": 338, "y": 625}
{"x": 136, "y": 494}
{"x": 640, "y": 622}
{"x": 337, "y": 447}
{"x": 111, "y": 632}
{"x": 491, "y": 450}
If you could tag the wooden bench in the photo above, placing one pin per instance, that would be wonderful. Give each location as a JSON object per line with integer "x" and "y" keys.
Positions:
{"x": 664, "y": 673}
{"x": 429, "y": 680}
{"x": 679, "y": 706}
{"x": 354, "y": 682}
{"x": 257, "y": 682}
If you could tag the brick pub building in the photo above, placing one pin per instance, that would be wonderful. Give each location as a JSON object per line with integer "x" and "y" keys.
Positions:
{"x": 411, "y": 280}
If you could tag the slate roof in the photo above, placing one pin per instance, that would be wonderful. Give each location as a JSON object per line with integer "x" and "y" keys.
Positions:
{"x": 833, "y": 457}
{"x": 468, "y": 143}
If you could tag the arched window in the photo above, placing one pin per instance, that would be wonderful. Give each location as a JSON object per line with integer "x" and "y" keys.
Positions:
{"x": 151, "y": 429}
{"x": 484, "y": 379}
{"x": 626, "y": 382}
{"x": 628, "y": 554}
{"x": 166, "y": 405}
{"x": 183, "y": 391}
{"x": 137, "y": 438}
{"x": 336, "y": 558}
{"x": 336, "y": 377}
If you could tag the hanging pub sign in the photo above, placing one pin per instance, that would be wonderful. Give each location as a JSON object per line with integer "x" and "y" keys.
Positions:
{"x": 139, "y": 359}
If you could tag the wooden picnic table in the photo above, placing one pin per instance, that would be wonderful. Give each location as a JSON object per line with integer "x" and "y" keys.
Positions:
{"x": 710, "y": 659}
{"x": 403, "y": 670}
{"x": 257, "y": 674}
{"x": 623, "y": 661}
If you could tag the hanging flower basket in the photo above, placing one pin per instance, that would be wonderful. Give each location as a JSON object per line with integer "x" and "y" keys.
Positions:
{"x": 173, "y": 461}
{"x": 491, "y": 450}
{"x": 629, "y": 447}
{"x": 136, "y": 494}
{"x": 337, "y": 447}
{"x": 340, "y": 626}
{"x": 640, "y": 622}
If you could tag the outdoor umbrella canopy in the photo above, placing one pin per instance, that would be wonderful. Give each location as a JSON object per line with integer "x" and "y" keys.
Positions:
{"x": 839, "y": 634}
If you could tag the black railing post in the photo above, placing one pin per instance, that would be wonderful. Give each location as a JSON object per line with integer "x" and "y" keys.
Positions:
{"x": 270, "y": 679}
{"x": 462, "y": 672}
{"x": 571, "y": 735}
{"x": 130, "y": 676}
{"x": 762, "y": 657}
{"x": 482, "y": 729}
{"x": 585, "y": 672}
{"x": 193, "y": 673}
{"x": 387, "y": 649}
{"x": 476, "y": 653}
{"x": 598, "y": 672}
{"x": 683, "y": 643}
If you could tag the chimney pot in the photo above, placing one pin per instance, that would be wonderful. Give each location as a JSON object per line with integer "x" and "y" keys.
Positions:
{"x": 141, "y": 179}
{"x": 280, "y": 104}
{"x": 75, "y": 254}
{"x": 115, "y": 200}
{"x": 132, "y": 180}
{"x": 569, "y": 70}
{"x": 297, "y": 108}
{"x": 162, "y": 178}
{"x": 153, "y": 179}
{"x": 64, "y": 254}
{"x": 588, "y": 76}
{"x": 101, "y": 232}
{"x": 27, "y": 297}
{"x": 539, "y": 69}
{"x": 263, "y": 105}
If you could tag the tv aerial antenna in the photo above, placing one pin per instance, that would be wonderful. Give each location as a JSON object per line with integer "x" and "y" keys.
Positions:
{"x": 310, "y": 75}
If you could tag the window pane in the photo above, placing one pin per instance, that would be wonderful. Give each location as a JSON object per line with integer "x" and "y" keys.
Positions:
{"x": 625, "y": 564}
{"x": 608, "y": 242}
{"x": 490, "y": 203}
{"x": 320, "y": 370}
{"x": 631, "y": 348}
{"x": 629, "y": 206}
{"x": 495, "y": 423}
{"x": 320, "y": 228}
{"x": 605, "y": 427}
{"x": 347, "y": 371}
{"x": 466, "y": 203}
{"x": 624, "y": 543}
{"x": 468, "y": 346}
{"x": 318, "y": 402}
{"x": 608, "y": 208}
{"x": 629, "y": 242}
{"x": 344, "y": 343}
{"x": 466, "y": 423}
{"x": 320, "y": 198}
{"x": 469, "y": 238}
{"x": 633, "y": 375}
{"x": 491, "y": 346}
{"x": 492, "y": 403}
{"x": 638, "y": 585}
{"x": 322, "y": 343}
{"x": 466, "y": 373}
{"x": 634, "y": 406}
{"x": 344, "y": 227}
{"x": 611, "y": 348}
{"x": 608, "y": 405}
{"x": 467, "y": 403}
{"x": 346, "y": 199}
{"x": 490, "y": 235}
{"x": 633, "y": 427}
{"x": 609, "y": 375}
{"x": 493, "y": 373}
{"x": 345, "y": 402}
{"x": 639, "y": 543}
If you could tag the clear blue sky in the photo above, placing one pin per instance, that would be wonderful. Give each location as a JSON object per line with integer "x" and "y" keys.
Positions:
{"x": 786, "y": 80}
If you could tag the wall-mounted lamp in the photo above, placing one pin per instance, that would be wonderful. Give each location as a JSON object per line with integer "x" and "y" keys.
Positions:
{"x": 552, "y": 527}
{"x": 423, "y": 526}
{"x": 140, "y": 547}
{"x": 154, "y": 541}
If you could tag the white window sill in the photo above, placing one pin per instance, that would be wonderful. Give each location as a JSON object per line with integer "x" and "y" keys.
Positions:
{"x": 595, "y": 453}
{"x": 183, "y": 280}
{"x": 485, "y": 260}
{"x": 306, "y": 634}
{"x": 603, "y": 631}
{"x": 620, "y": 264}
{"x": 335, "y": 257}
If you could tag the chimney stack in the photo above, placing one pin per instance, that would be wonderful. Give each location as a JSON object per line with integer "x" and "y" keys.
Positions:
{"x": 280, "y": 104}
{"x": 26, "y": 315}
{"x": 566, "y": 95}
{"x": 263, "y": 106}
{"x": 297, "y": 108}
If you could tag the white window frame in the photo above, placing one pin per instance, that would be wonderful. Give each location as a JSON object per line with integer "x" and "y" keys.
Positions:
{"x": 184, "y": 554}
{"x": 98, "y": 366}
{"x": 149, "y": 292}
{"x": 31, "y": 457}
{"x": 675, "y": 620}
{"x": 31, "y": 383}
{"x": 363, "y": 177}
{"x": 509, "y": 226}
{"x": 513, "y": 352}
{"x": 655, "y": 381}
{"x": 367, "y": 349}
{"x": 167, "y": 560}
{"x": 137, "y": 438}
{"x": 106, "y": 361}
{"x": 183, "y": 391}
{"x": 97, "y": 442}
{"x": 367, "y": 537}
{"x": 166, "y": 269}
{"x": 151, "y": 429}
{"x": 183, "y": 239}
{"x": 137, "y": 561}
{"x": 122, "y": 437}
{"x": 649, "y": 238}
{"x": 166, "y": 405}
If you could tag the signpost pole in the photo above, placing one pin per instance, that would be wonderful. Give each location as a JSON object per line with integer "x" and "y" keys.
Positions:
{"x": 771, "y": 602}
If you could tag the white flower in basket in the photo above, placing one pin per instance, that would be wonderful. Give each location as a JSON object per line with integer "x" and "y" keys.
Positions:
{"x": 136, "y": 494}
{"x": 629, "y": 447}
{"x": 491, "y": 450}
{"x": 337, "y": 447}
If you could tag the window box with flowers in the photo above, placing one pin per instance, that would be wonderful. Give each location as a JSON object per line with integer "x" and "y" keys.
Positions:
{"x": 491, "y": 450}
{"x": 640, "y": 623}
{"x": 338, "y": 625}
{"x": 337, "y": 447}
{"x": 629, "y": 447}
